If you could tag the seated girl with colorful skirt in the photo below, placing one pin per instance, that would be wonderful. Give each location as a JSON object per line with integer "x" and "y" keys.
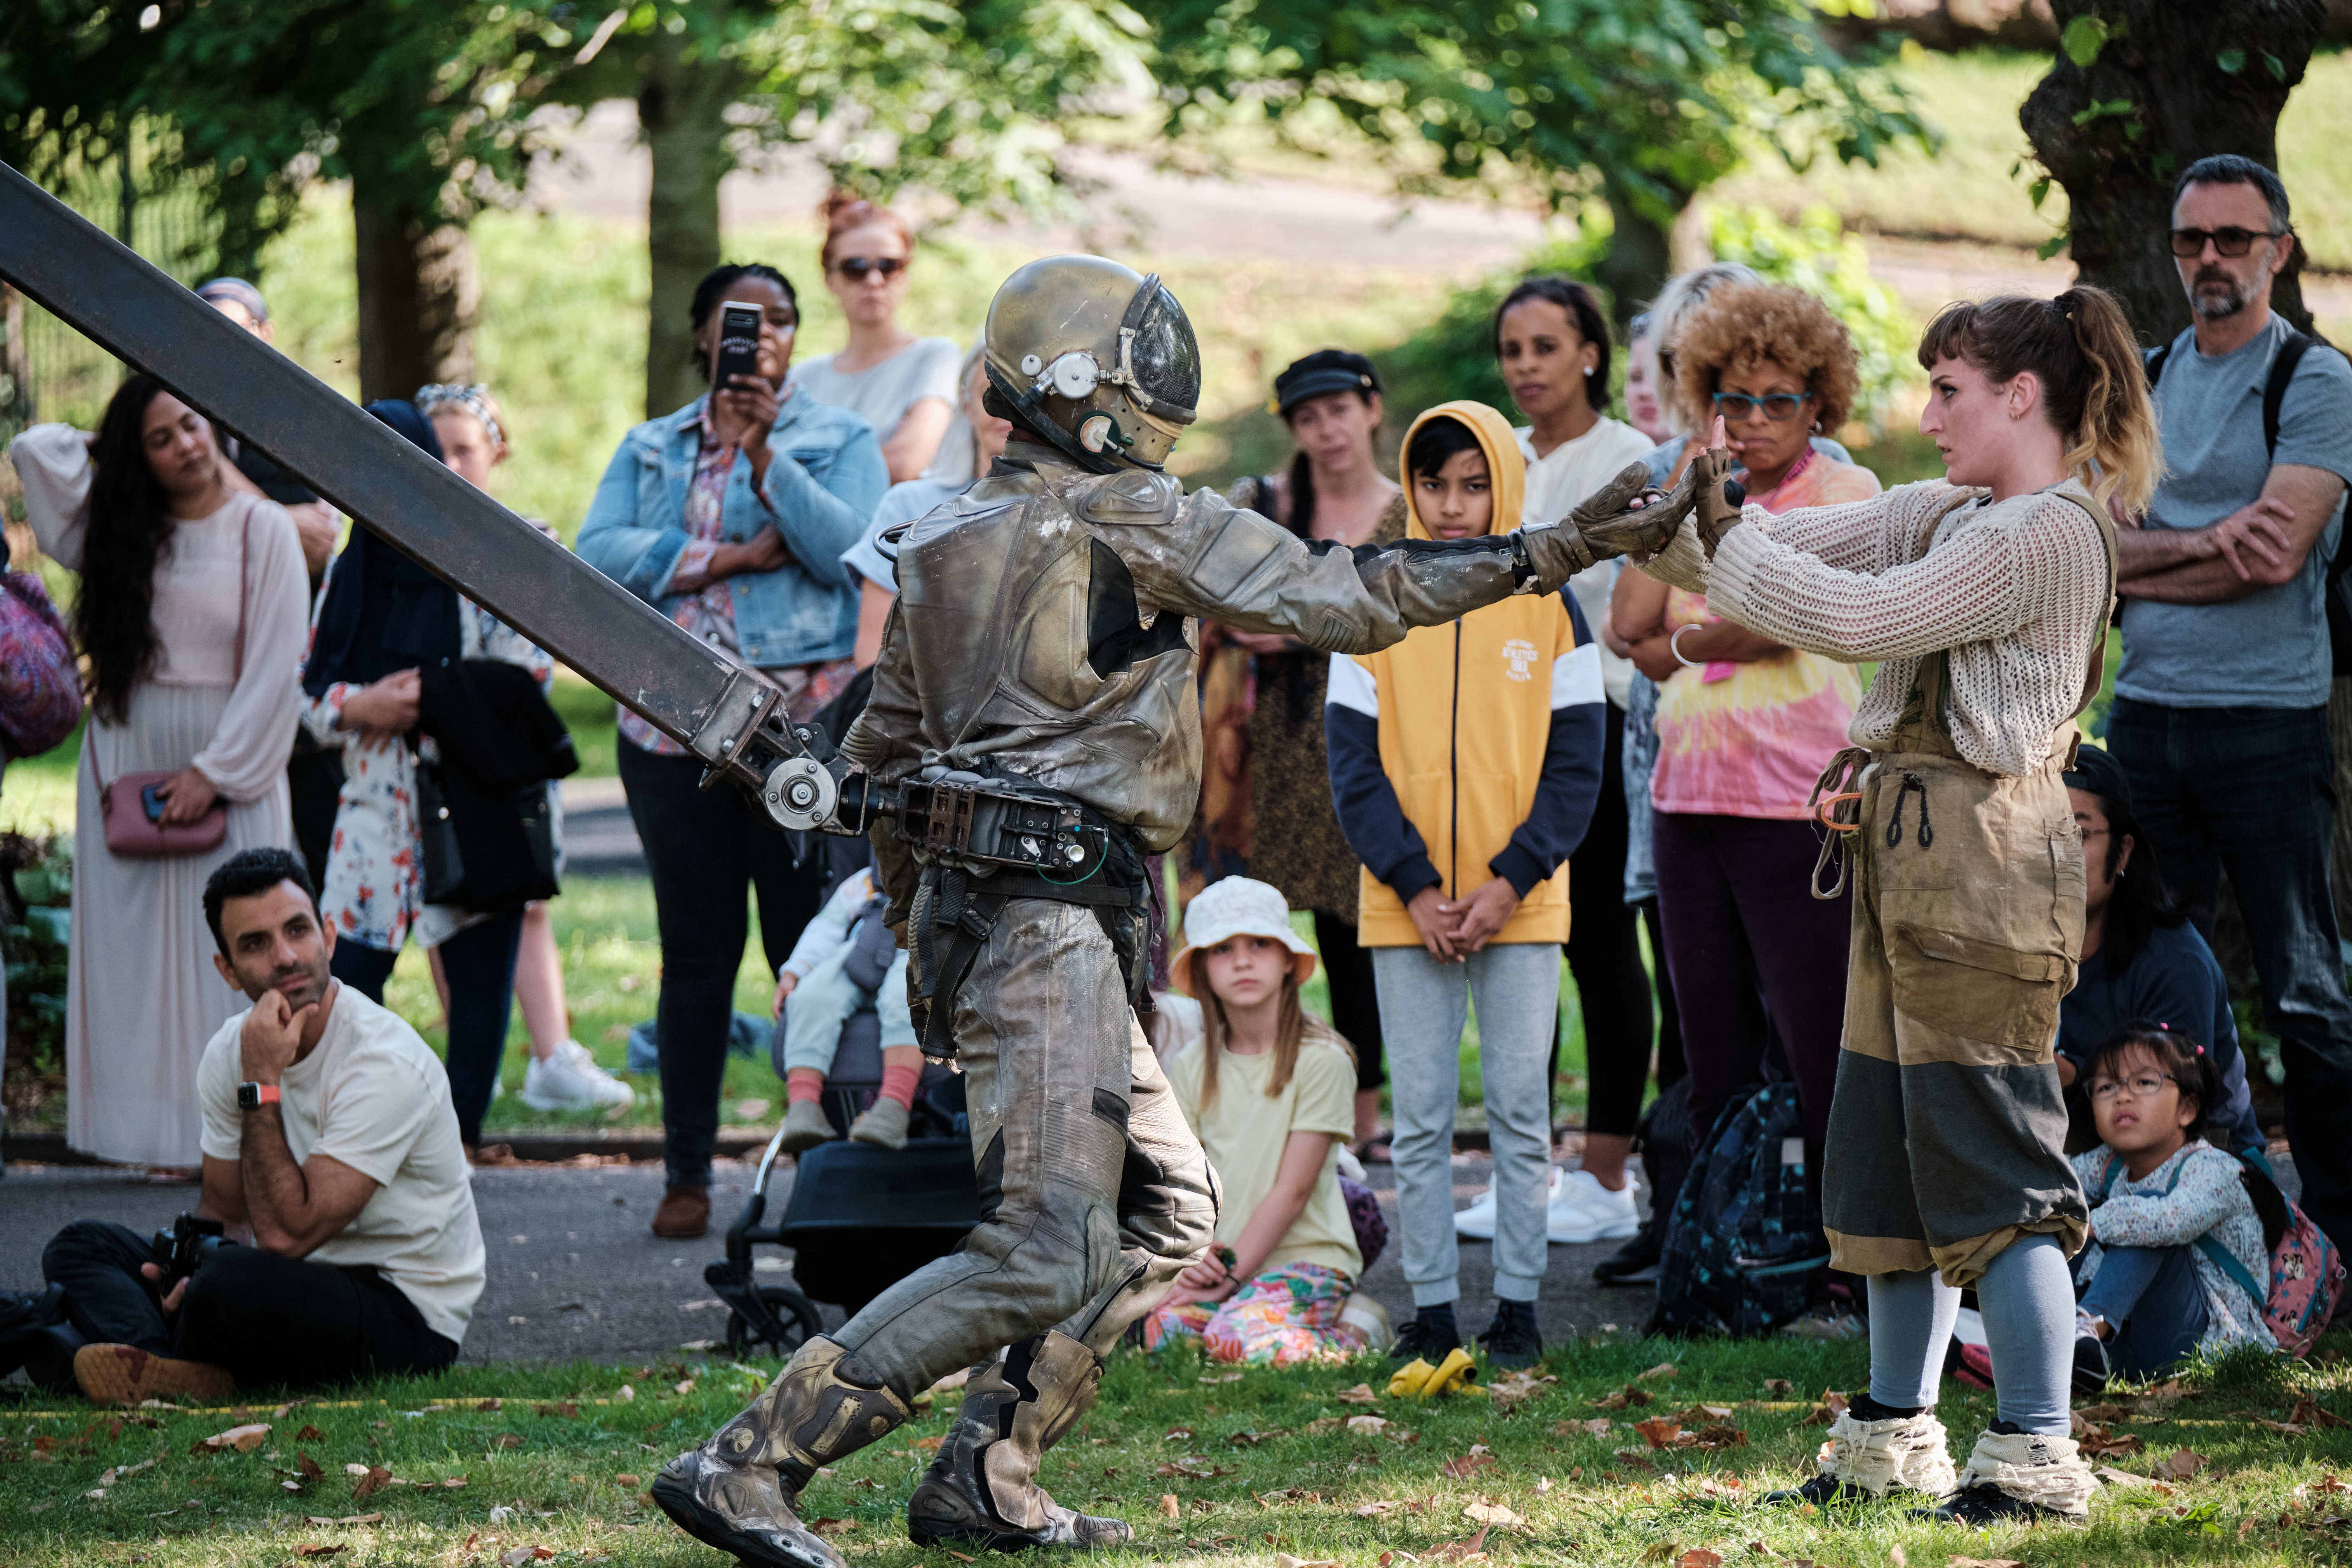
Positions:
{"x": 1271, "y": 1093}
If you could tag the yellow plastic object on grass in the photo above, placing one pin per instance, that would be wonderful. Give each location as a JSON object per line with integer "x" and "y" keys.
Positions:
{"x": 1456, "y": 1373}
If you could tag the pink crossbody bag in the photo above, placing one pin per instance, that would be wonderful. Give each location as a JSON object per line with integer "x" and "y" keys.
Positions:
{"x": 130, "y": 808}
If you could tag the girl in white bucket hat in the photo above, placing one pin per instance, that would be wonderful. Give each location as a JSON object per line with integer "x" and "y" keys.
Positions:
{"x": 1270, "y": 1090}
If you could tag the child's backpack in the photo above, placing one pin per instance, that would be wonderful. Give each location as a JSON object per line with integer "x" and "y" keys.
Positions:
{"x": 1744, "y": 1252}
{"x": 2307, "y": 1272}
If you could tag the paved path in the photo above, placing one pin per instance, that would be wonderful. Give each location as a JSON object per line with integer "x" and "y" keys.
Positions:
{"x": 574, "y": 1271}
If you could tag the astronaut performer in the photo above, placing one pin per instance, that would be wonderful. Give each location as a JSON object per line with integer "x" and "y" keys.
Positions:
{"x": 1043, "y": 638}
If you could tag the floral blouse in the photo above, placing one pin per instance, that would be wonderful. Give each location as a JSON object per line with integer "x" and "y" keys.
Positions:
{"x": 375, "y": 891}
{"x": 2195, "y": 1193}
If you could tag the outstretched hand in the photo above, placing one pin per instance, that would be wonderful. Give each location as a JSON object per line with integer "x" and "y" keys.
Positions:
{"x": 1718, "y": 498}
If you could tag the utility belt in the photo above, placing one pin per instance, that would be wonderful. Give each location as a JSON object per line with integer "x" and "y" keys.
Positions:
{"x": 958, "y": 906}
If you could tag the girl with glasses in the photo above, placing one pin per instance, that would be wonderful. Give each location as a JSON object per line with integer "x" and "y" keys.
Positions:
{"x": 902, "y": 385}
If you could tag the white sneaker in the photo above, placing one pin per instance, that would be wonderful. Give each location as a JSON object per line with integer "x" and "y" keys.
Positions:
{"x": 1476, "y": 1223}
{"x": 570, "y": 1080}
{"x": 1583, "y": 1211}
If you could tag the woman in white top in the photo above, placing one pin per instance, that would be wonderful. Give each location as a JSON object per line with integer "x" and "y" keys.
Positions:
{"x": 1984, "y": 597}
{"x": 904, "y": 386}
{"x": 1551, "y": 344}
{"x": 191, "y": 609}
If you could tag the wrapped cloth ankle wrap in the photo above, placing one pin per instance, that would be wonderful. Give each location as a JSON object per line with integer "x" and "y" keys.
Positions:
{"x": 1878, "y": 1457}
{"x": 2034, "y": 1468}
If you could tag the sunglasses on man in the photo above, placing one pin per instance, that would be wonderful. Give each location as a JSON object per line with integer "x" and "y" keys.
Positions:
{"x": 857, "y": 268}
{"x": 2233, "y": 241}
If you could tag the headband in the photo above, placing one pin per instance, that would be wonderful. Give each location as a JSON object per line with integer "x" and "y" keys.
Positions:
{"x": 474, "y": 400}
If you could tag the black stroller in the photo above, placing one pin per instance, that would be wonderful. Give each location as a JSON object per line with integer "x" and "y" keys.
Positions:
{"x": 860, "y": 1218}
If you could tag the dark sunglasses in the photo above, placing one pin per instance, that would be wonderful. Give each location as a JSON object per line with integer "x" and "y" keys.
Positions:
{"x": 2233, "y": 241}
{"x": 1778, "y": 407}
{"x": 857, "y": 268}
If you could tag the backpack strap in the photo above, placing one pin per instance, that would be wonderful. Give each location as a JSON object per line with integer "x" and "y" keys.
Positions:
{"x": 2283, "y": 366}
{"x": 2227, "y": 1261}
{"x": 2152, "y": 365}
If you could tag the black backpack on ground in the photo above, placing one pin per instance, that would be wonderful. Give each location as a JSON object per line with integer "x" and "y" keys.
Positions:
{"x": 1744, "y": 1252}
{"x": 1665, "y": 1140}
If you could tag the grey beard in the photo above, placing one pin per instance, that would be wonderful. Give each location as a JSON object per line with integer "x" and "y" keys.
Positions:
{"x": 2209, "y": 308}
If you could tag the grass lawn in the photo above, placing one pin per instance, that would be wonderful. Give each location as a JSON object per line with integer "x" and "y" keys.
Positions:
{"x": 1207, "y": 1464}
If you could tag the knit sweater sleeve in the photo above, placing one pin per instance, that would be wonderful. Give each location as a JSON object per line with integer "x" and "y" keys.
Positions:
{"x": 1967, "y": 588}
{"x": 2208, "y": 1192}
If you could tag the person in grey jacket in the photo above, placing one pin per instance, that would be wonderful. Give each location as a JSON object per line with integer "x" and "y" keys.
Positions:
{"x": 729, "y": 516}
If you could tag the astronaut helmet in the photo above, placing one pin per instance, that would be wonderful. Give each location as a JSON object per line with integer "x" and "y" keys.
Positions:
{"x": 1096, "y": 357}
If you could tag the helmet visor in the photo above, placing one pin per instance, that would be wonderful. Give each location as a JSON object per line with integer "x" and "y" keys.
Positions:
{"x": 1167, "y": 356}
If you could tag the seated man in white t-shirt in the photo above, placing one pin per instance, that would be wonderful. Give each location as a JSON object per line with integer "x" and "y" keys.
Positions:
{"x": 331, "y": 1155}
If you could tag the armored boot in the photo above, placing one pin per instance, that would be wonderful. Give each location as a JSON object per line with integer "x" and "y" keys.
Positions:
{"x": 983, "y": 1491}
{"x": 737, "y": 1491}
{"x": 1865, "y": 1460}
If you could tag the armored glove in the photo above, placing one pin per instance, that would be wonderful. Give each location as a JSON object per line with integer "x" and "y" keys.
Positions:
{"x": 1718, "y": 498}
{"x": 1607, "y": 524}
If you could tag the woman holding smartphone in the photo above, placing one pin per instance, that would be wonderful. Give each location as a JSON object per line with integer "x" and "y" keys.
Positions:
{"x": 729, "y": 516}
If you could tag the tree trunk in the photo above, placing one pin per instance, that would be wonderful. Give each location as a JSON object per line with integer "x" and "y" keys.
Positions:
{"x": 1640, "y": 260}
{"x": 419, "y": 299}
{"x": 2118, "y": 168}
{"x": 681, "y": 109}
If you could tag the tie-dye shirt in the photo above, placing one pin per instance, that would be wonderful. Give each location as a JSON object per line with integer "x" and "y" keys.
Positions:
{"x": 1749, "y": 739}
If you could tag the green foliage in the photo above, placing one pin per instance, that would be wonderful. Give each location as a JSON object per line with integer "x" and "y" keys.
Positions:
{"x": 1648, "y": 102}
{"x": 2086, "y": 35}
{"x": 1817, "y": 255}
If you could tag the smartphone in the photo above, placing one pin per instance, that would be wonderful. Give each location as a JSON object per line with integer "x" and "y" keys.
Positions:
{"x": 151, "y": 802}
{"x": 737, "y": 353}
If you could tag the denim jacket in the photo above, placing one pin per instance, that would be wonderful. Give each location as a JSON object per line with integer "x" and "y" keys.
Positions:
{"x": 826, "y": 476}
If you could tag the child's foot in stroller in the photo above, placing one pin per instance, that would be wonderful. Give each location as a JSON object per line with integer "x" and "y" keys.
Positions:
{"x": 805, "y": 1126}
{"x": 882, "y": 1124}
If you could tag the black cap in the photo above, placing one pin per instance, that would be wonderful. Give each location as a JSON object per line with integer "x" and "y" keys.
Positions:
{"x": 2098, "y": 773}
{"x": 1321, "y": 373}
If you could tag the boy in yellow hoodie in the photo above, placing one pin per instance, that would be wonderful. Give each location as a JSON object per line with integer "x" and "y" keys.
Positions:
{"x": 1464, "y": 764}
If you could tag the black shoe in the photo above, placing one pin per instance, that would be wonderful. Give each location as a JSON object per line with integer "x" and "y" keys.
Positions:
{"x": 2092, "y": 1367}
{"x": 1986, "y": 1505}
{"x": 1639, "y": 1254}
{"x": 1821, "y": 1491}
{"x": 1512, "y": 1339}
{"x": 1427, "y": 1338}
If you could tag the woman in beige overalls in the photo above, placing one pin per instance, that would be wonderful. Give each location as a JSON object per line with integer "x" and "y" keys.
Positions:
{"x": 1985, "y": 598}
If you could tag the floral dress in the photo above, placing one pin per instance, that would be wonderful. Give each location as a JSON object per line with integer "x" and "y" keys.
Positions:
{"x": 375, "y": 891}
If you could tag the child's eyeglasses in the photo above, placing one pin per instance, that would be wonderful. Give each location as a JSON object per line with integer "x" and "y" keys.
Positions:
{"x": 2146, "y": 1086}
{"x": 1778, "y": 407}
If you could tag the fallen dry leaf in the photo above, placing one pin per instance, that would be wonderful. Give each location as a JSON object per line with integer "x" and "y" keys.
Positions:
{"x": 1177, "y": 1435}
{"x": 566, "y": 1410}
{"x": 1493, "y": 1513}
{"x": 1471, "y": 1550}
{"x": 307, "y": 1466}
{"x": 308, "y": 1549}
{"x": 1699, "y": 1557}
{"x": 1515, "y": 1389}
{"x": 1285, "y": 1559}
{"x": 927, "y": 1445}
{"x": 2115, "y": 1477}
{"x": 2307, "y": 1413}
{"x": 1781, "y": 1385}
{"x": 1360, "y": 1394}
{"x": 1982, "y": 1563}
{"x": 1369, "y": 1425}
{"x": 507, "y": 1440}
{"x": 1659, "y": 1432}
{"x": 1598, "y": 1427}
{"x": 371, "y": 1482}
{"x": 834, "y": 1526}
{"x": 1625, "y": 1396}
{"x": 1373, "y": 1510}
{"x": 1170, "y": 1506}
{"x": 1463, "y": 1466}
{"x": 2182, "y": 1465}
{"x": 1663, "y": 1369}
{"x": 624, "y": 1480}
{"x": 1633, "y": 1458}
{"x": 243, "y": 1439}
{"x": 309, "y": 1434}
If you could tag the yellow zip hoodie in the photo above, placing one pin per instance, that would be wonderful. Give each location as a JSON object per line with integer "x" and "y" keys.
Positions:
{"x": 1470, "y": 750}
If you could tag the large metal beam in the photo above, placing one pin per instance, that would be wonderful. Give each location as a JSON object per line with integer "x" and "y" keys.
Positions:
{"x": 104, "y": 290}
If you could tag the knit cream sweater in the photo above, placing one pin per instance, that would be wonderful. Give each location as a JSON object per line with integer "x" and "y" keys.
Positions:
{"x": 2016, "y": 591}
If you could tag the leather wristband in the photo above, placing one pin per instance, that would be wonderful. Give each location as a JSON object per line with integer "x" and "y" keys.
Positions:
{"x": 254, "y": 1096}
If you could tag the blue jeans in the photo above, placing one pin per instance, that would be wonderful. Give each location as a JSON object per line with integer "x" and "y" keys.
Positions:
{"x": 480, "y": 965}
{"x": 2151, "y": 1300}
{"x": 2251, "y": 792}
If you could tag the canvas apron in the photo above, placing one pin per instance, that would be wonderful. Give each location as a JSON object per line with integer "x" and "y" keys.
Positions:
{"x": 1948, "y": 1128}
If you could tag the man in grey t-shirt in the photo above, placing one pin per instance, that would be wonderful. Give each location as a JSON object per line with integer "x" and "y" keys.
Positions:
{"x": 2220, "y": 715}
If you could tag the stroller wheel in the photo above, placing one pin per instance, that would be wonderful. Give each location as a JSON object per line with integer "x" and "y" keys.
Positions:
{"x": 796, "y": 1321}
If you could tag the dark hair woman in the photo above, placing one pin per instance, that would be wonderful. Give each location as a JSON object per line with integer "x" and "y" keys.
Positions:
{"x": 191, "y": 610}
{"x": 2141, "y": 959}
{"x": 1266, "y": 794}
{"x": 730, "y": 517}
{"x": 1985, "y": 599}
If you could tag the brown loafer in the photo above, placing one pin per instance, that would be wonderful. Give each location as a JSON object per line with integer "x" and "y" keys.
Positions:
{"x": 684, "y": 1214}
{"x": 125, "y": 1375}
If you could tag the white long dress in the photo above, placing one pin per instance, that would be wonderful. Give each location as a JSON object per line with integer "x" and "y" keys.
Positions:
{"x": 141, "y": 995}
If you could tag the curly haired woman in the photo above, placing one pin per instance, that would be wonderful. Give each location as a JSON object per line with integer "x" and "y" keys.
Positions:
{"x": 1744, "y": 723}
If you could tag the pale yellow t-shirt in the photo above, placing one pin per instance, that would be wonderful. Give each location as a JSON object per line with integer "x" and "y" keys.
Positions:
{"x": 1245, "y": 1133}
{"x": 373, "y": 1095}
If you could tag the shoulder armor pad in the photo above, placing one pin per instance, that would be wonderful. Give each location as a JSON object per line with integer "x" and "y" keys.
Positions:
{"x": 1135, "y": 498}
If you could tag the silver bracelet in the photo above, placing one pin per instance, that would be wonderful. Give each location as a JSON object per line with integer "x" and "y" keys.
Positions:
{"x": 1674, "y": 646}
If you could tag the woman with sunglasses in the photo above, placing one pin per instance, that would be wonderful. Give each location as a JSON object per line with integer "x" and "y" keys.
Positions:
{"x": 1745, "y": 723}
{"x": 729, "y": 516}
{"x": 904, "y": 386}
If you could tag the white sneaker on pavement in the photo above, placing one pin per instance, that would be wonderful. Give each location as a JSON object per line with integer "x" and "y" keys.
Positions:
{"x": 1583, "y": 1211}
{"x": 570, "y": 1080}
{"x": 1476, "y": 1223}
